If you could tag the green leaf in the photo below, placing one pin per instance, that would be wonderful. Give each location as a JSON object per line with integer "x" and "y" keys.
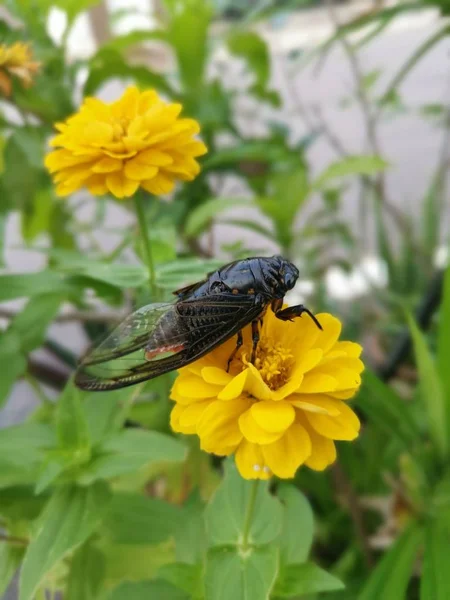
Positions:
{"x": 10, "y": 559}
{"x": 145, "y": 590}
{"x": 70, "y": 517}
{"x": 443, "y": 344}
{"x": 86, "y": 575}
{"x": 11, "y": 355}
{"x": 109, "y": 64}
{"x": 258, "y": 228}
{"x": 305, "y": 578}
{"x": 72, "y": 7}
{"x": 130, "y": 451}
{"x": 190, "y": 536}
{"x": 384, "y": 406}
{"x": 233, "y": 158}
{"x": 186, "y": 577}
{"x": 37, "y": 218}
{"x": 103, "y": 411}
{"x": 18, "y": 503}
{"x": 241, "y": 577}
{"x": 431, "y": 391}
{"x": 200, "y": 217}
{"x": 117, "y": 275}
{"x": 298, "y": 525}
{"x": 21, "y": 452}
{"x": 430, "y": 218}
{"x": 253, "y": 49}
{"x": 22, "y": 285}
{"x": 187, "y": 32}
{"x": 135, "y": 519}
{"x": 226, "y": 512}
{"x": 71, "y": 425}
{"x": 32, "y": 323}
{"x": 435, "y": 582}
{"x": 391, "y": 576}
{"x": 177, "y": 273}
{"x": 352, "y": 165}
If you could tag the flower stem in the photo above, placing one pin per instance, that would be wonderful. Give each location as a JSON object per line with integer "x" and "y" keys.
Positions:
{"x": 140, "y": 212}
{"x": 249, "y": 515}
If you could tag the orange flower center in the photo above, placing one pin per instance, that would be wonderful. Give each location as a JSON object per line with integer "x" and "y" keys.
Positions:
{"x": 272, "y": 360}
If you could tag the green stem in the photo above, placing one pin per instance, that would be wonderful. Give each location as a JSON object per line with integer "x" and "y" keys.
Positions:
{"x": 140, "y": 212}
{"x": 249, "y": 515}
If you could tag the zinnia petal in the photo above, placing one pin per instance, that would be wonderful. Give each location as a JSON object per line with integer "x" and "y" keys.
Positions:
{"x": 273, "y": 417}
{"x": 250, "y": 461}
{"x": 130, "y": 140}
{"x": 253, "y": 432}
{"x": 285, "y": 456}
{"x": 344, "y": 426}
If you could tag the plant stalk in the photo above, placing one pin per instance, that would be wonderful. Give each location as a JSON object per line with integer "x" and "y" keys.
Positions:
{"x": 140, "y": 212}
{"x": 249, "y": 515}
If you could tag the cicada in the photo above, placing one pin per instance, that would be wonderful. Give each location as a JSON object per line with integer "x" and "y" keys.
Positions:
{"x": 159, "y": 338}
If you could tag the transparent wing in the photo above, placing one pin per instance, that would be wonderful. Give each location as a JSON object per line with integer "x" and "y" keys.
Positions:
{"x": 132, "y": 334}
{"x": 159, "y": 338}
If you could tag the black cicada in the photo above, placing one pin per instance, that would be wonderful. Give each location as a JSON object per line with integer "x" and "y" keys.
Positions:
{"x": 163, "y": 337}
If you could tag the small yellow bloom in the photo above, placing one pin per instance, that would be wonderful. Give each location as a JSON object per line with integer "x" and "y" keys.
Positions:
{"x": 16, "y": 60}
{"x": 136, "y": 141}
{"x": 285, "y": 410}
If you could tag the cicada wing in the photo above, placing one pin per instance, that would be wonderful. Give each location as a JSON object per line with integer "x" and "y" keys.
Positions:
{"x": 177, "y": 334}
{"x": 132, "y": 334}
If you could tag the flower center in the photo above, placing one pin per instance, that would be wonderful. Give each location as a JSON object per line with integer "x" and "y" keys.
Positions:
{"x": 272, "y": 360}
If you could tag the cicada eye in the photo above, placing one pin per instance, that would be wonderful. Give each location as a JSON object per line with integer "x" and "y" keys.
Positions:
{"x": 289, "y": 280}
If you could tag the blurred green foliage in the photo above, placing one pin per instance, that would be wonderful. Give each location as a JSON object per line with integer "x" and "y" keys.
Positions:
{"x": 95, "y": 510}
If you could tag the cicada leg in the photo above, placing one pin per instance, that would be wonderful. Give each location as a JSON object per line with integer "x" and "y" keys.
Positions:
{"x": 255, "y": 339}
{"x": 239, "y": 343}
{"x": 289, "y": 313}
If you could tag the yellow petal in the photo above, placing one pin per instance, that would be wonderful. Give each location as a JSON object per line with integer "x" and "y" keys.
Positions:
{"x": 344, "y": 394}
{"x": 160, "y": 184}
{"x": 285, "y": 456}
{"x": 250, "y": 461}
{"x": 291, "y": 386}
{"x": 134, "y": 169}
{"x": 216, "y": 376}
{"x": 107, "y": 165}
{"x": 192, "y": 413}
{"x": 97, "y": 133}
{"x": 318, "y": 383}
{"x": 332, "y": 328}
{"x": 349, "y": 348}
{"x": 344, "y": 426}
{"x": 273, "y": 416}
{"x": 191, "y": 386}
{"x": 120, "y": 186}
{"x": 319, "y": 403}
{"x": 323, "y": 452}
{"x": 256, "y": 386}
{"x": 195, "y": 148}
{"x": 155, "y": 157}
{"x": 218, "y": 424}
{"x": 254, "y": 432}
{"x": 235, "y": 387}
{"x": 175, "y": 414}
{"x": 96, "y": 184}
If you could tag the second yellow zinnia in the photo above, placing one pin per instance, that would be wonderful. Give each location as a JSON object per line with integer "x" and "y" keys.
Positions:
{"x": 285, "y": 410}
{"x": 136, "y": 141}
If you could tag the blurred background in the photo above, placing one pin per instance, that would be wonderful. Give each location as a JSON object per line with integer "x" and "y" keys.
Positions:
{"x": 328, "y": 127}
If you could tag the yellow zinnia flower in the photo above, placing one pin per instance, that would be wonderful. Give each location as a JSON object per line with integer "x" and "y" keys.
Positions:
{"x": 136, "y": 141}
{"x": 284, "y": 410}
{"x": 16, "y": 60}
